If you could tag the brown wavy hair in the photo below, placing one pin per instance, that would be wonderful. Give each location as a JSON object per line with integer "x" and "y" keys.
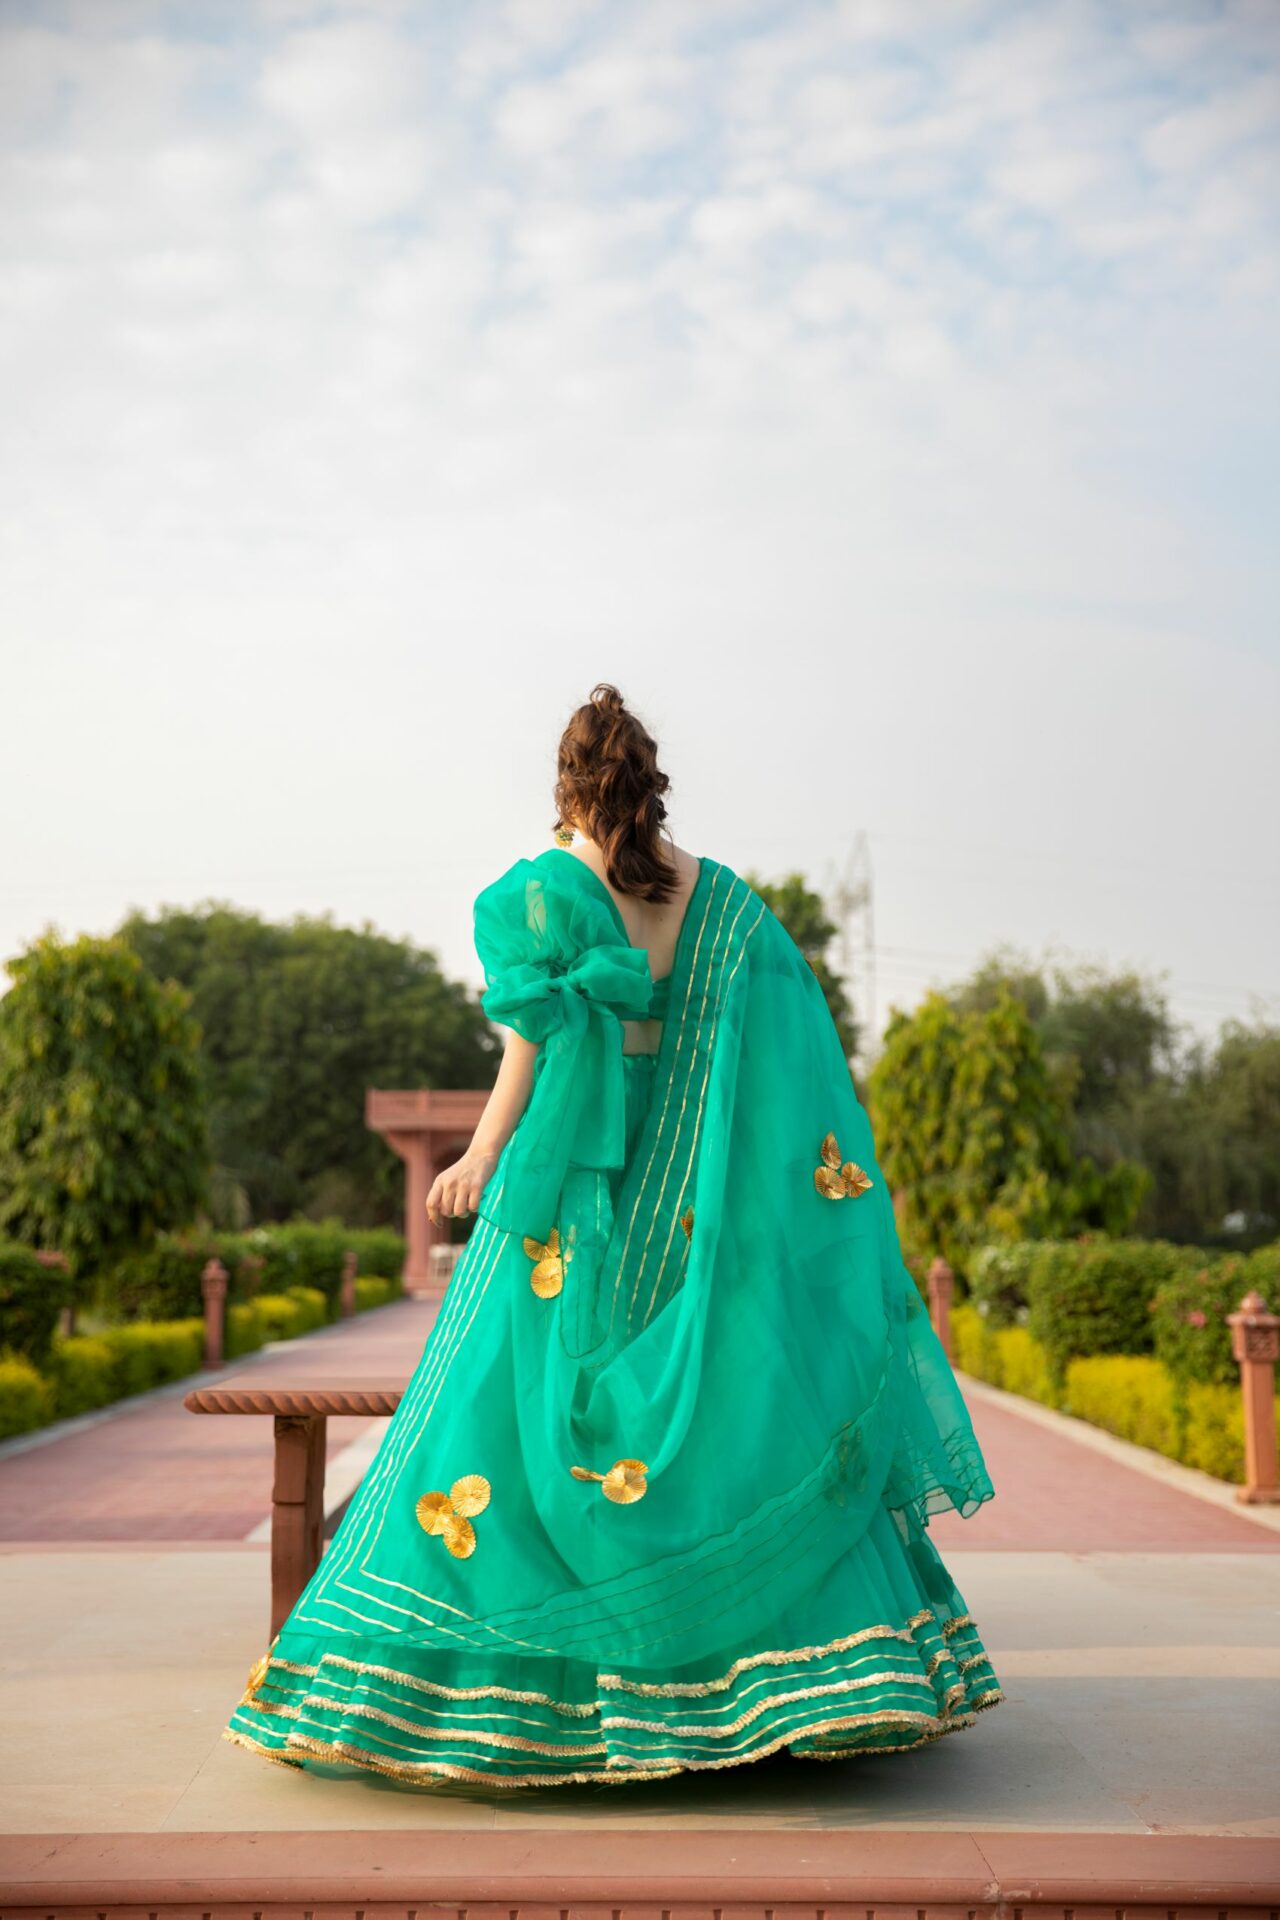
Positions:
{"x": 609, "y": 783}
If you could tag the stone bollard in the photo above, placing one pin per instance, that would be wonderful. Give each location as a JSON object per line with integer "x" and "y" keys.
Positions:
{"x": 941, "y": 1283}
{"x": 1255, "y": 1342}
{"x": 347, "y": 1291}
{"x": 213, "y": 1286}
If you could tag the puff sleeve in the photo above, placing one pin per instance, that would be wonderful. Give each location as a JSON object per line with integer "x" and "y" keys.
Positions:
{"x": 561, "y": 973}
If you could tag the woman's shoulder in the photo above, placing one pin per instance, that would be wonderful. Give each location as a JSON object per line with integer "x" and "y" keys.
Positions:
{"x": 544, "y": 905}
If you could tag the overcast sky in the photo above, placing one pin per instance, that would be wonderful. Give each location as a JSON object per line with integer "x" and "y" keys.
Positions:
{"x": 884, "y": 395}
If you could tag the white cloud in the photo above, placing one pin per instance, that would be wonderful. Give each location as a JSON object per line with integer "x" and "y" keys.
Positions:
{"x": 357, "y": 366}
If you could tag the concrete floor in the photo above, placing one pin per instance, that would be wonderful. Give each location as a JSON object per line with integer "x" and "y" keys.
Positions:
{"x": 1141, "y": 1696}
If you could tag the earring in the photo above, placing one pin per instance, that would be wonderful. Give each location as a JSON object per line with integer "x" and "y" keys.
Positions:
{"x": 564, "y": 836}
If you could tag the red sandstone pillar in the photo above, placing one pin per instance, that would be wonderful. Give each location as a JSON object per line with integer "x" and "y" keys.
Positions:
{"x": 297, "y": 1513}
{"x": 420, "y": 1233}
{"x": 941, "y": 1286}
{"x": 1255, "y": 1342}
{"x": 213, "y": 1288}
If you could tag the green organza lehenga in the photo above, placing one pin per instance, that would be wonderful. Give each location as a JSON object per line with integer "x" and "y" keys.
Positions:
{"x": 657, "y": 1493}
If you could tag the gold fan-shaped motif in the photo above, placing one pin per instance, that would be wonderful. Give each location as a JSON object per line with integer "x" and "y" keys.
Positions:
{"x": 547, "y": 1277}
{"x": 834, "y": 1181}
{"x": 624, "y": 1483}
{"x": 450, "y": 1514}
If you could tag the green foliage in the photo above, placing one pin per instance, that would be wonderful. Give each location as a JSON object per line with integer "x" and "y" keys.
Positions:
{"x": 302, "y": 1253}
{"x": 32, "y": 1296}
{"x": 379, "y": 1250}
{"x": 374, "y": 1292}
{"x": 1192, "y": 1338}
{"x": 997, "y": 1275}
{"x": 299, "y": 1020}
{"x": 243, "y": 1331}
{"x": 102, "y": 1119}
{"x": 162, "y": 1281}
{"x": 804, "y": 916}
{"x": 26, "y": 1398}
{"x": 1005, "y": 1356}
{"x": 150, "y": 1354}
{"x": 312, "y": 1306}
{"x": 974, "y": 1139}
{"x": 1130, "y": 1395}
{"x": 1094, "y": 1295}
{"x": 82, "y": 1374}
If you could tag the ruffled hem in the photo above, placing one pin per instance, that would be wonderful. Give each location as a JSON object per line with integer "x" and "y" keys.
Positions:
{"x": 884, "y": 1688}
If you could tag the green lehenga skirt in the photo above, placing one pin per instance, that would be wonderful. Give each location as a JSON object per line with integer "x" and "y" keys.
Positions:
{"x": 656, "y": 1496}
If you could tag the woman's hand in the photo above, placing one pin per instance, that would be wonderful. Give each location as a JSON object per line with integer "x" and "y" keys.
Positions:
{"x": 456, "y": 1191}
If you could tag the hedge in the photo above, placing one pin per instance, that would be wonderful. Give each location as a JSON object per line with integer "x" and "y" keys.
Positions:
{"x": 373, "y": 1292}
{"x": 1200, "y": 1424}
{"x": 163, "y": 1281}
{"x": 26, "y": 1398}
{"x": 32, "y": 1295}
{"x": 1094, "y": 1295}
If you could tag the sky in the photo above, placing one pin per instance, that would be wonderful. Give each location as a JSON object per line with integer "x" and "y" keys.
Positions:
{"x": 884, "y": 396}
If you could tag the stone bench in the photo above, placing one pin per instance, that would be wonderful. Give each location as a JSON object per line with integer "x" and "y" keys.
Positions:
{"x": 300, "y": 1411}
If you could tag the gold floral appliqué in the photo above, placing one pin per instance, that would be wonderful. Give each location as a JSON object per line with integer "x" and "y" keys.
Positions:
{"x": 686, "y": 1221}
{"x": 836, "y": 1182}
{"x": 547, "y": 1277}
{"x": 450, "y": 1514}
{"x": 624, "y": 1482}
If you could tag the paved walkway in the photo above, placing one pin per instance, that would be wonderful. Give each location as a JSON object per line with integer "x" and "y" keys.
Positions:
{"x": 1131, "y": 1624}
{"x": 152, "y": 1472}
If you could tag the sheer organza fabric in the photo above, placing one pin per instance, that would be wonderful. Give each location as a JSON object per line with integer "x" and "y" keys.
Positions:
{"x": 741, "y": 1357}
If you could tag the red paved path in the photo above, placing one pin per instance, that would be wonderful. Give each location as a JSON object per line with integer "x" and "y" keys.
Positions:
{"x": 155, "y": 1473}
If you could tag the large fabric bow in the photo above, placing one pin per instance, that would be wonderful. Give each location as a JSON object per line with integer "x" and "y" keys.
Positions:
{"x": 576, "y": 1114}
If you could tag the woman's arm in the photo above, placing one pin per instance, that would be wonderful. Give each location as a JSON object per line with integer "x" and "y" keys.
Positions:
{"x": 457, "y": 1190}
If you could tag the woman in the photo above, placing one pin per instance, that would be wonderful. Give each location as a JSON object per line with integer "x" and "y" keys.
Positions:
{"x": 656, "y": 1495}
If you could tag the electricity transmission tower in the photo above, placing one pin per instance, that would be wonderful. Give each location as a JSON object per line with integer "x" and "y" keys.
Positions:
{"x": 849, "y": 898}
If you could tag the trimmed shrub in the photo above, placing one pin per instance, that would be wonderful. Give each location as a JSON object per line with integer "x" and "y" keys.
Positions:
{"x": 279, "y": 1317}
{"x": 378, "y": 1250}
{"x": 998, "y": 1277}
{"x": 243, "y": 1332}
{"x": 373, "y": 1292}
{"x": 312, "y": 1306}
{"x": 151, "y": 1353}
{"x": 302, "y": 1254}
{"x": 32, "y": 1295}
{"x": 1131, "y": 1395}
{"x": 1192, "y": 1337}
{"x": 1093, "y": 1295}
{"x": 1024, "y": 1366}
{"x": 26, "y": 1398}
{"x": 973, "y": 1345}
{"x": 82, "y": 1373}
{"x": 162, "y": 1281}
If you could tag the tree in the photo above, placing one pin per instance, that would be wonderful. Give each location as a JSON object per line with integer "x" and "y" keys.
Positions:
{"x": 103, "y": 1136}
{"x": 974, "y": 1136}
{"x": 299, "y": 1020}
{"x": 804, "y": 916}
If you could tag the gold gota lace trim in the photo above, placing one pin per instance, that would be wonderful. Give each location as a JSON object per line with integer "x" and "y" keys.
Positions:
{"x": 573, "y": 1708}
{"x": 480, "y": 1776}
{"x": 973, "y": 1660}
{"x": 482, "y": 1736}
{"x": 934, "y": 1661}
{"x": 256, "y": 1746}
{"x": 626, "y": 1772}
{"x": 458, "y": 1718}
{"x": 260, "y": 1705}
{"x": 291, "y": 1666}
{"x": 704, "y": 1732}
{"x": 957, "y": 1621}
{"x": 656, "y": 1689}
